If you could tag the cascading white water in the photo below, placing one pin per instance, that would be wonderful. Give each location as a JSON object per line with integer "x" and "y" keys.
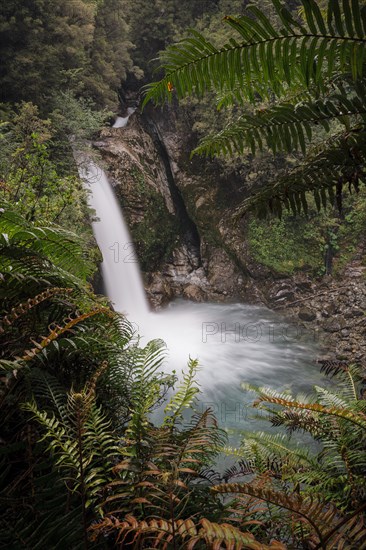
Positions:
{"x": 121, "y": 274}
{"x": 233, "y": 342}
{"x": 121, "y": 121}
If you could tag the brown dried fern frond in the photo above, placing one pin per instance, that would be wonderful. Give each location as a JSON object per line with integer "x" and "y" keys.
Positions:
{"x": 331, "y": 529}
{"x": 161, "y": 532}
{"x": 57, "y": 331}
{"x": 24, "y": 307}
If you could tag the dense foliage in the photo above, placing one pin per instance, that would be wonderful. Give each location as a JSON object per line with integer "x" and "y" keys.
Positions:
{"x": 48, "y": 47}
{"x": 76, "y": 398}
{"x": 319, "y": 243}
{"x": 287, "y": 75}
{"x": 82, "y": 463}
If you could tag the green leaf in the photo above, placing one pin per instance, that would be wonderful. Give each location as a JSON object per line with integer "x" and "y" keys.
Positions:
{"x": 309, "y": 16}
{"x": 356, "y": 12}
{"x": 264, "y": 20}
{"x": 335, "y": 12}
{"x": 348, "y": 17}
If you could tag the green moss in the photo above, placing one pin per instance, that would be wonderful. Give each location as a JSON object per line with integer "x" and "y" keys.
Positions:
{"x": 287, "y": 245}
{"x": 300, "y": 243}
{"x": 157, "y": 234}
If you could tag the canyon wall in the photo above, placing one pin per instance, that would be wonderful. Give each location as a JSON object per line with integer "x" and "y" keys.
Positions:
{"x": 182, "y": 214}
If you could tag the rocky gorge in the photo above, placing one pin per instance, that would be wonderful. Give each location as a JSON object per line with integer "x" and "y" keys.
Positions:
{"x": 190, "y": 243}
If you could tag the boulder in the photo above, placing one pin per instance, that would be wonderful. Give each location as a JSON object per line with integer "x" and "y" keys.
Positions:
{"x": 306, "y": 314}
{"x": 334, "y": 325}
{"x": 194, "y": 293}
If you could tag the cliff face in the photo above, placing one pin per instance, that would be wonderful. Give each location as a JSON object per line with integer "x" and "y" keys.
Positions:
{"x": 190, "y": 244}
{"x": 174, "y": 215}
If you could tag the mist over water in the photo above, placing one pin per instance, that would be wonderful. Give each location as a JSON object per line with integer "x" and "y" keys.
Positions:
{"x": 234, "y": 343}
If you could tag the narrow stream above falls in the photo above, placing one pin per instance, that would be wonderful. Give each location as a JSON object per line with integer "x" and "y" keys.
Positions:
{"x": 234, "y": 343}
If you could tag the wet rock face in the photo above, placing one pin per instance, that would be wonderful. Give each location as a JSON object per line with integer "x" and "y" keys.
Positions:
{"x": 141, "y": 180}
{"x": 221, "y": 268}
{"x": 133, "y": 162}
{"x": 140, "y": 183}
{"x": 334, "y": 308}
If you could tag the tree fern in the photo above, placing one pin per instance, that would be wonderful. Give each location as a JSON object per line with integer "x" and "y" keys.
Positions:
{"x": 264, "y": 54}
{"x": 323, "y": 53}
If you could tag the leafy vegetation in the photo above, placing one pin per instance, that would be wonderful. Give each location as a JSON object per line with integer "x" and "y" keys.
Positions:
{"x": 288, "y": 244}
{"x": 76, "y": 405}
{"x": 302, "y": 243}
{"x": 154, "y": 25}
{"x": 83, "y": 465}
{"x": 50, "y": 47}
{"x": 46, "y": 335}
{"x": 287, "y": 78}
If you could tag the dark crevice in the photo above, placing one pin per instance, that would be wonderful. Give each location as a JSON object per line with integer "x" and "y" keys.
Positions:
{"x": 188, "y": 229}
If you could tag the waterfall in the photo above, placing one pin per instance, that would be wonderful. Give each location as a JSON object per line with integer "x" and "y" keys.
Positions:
{"x": 121, "y": 121}
{"x": 233, "y": 342}
{"x": 121, "y": 274}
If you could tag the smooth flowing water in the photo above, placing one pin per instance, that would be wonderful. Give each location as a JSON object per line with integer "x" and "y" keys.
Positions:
{"x": 233, "y": 342}
{"x": 120, "y": 270}
{"x": 121, "y": 121}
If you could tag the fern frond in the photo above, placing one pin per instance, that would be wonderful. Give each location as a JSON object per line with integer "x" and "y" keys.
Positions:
{"x": 81, "y": 440}
{"x": 323, "y": 54}
{"x": 49, "y": 392}
{"x": 264, "y": 55}
{"x": 183, "y": 397}
{"x": 274, "y": 452}
{"x": 162, "y": 532}
{"x": 351, "y": 378}
{"x": 58, "y": 330}
{"x": 24, "y": 307}
{"x": 146, "y": 387}
{"x": 53, "y": 243}
{"x": 332, "y": 368}
{"x": 287, "y": 127}
{"x": 295, "y": 420}
{"x": 60, "y": 441}
{"x": 200, "y": 441}
{"x": 338, "y": 164}
{"x": 322, "y": 517}
{"x": 345, "y": 413}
